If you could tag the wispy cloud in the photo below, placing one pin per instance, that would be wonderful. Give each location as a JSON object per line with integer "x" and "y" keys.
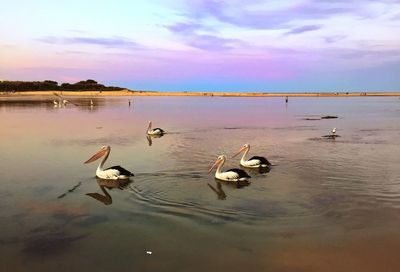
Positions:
{"x": 189, "y": 33}
{"x": 302, "y": 29}
{"x": 334, "y": 38}
{"x": 115, "y": 42}
{"x": 242, "y": 16}
{"x": 212, "y": 43}
{"x": 183, "y": 27}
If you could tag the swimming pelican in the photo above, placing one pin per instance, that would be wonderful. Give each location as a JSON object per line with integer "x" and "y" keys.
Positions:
{"x": 114, "y": 172}
{"x": 91, "y": 102}
{"x": 333, "y": 131}
{"x": 230, "y": 175}
{"x": 55, "y": 103}
{"x": 253, "y": 162}
{"x": 154, "y": 131}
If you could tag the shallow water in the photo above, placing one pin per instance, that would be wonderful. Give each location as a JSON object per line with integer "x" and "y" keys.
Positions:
{"x": 326, "y": 205}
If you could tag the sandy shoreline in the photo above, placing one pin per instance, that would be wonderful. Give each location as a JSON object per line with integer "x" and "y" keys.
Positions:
{"x": 218, "y": 94}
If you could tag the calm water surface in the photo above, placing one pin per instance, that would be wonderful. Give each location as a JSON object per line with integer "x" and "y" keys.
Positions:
{"x": 326, "y": 205}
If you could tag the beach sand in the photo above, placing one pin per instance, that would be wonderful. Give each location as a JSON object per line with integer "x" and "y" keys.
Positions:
{"x": 127, "y": 92}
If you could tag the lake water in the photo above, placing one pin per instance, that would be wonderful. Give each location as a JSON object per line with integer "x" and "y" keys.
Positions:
{"x": 326, "y": 205}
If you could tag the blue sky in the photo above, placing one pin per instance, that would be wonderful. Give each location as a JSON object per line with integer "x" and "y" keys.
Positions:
{"x": 205, "y": 45}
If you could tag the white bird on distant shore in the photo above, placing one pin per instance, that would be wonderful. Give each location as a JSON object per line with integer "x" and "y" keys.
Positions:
{"x": 334, "y": 131}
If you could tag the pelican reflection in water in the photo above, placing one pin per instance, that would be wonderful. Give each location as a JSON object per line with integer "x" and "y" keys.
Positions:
{"x": 150, "y": 140}
{"x": 218, "y": 191}
{"x": 106, "y": 185}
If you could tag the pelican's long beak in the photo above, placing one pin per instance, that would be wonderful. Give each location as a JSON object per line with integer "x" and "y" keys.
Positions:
{"x": 96, "y": 156}
{"x": 240, "y": 151}
{"x": 215, "y": 164}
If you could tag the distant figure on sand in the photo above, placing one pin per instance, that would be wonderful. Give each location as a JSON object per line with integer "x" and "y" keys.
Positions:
{"x": 129, "y": 102}
{"x": 287, "y": 99}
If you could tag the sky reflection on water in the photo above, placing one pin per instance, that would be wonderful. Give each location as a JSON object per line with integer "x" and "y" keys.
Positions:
{"x": 323, "y": 199}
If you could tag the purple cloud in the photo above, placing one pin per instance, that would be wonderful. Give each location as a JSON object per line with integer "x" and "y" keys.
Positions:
{"x": 212, "y": 43}
{"x": 333, "y": 39}
{"x": 396, "y": 17}
{"x": 265, "y": 19}
{"x": 188, "y": 32}
{"x": 116, "y": 42}
{"x": 183, "y": 27}
{"x": 368, "y": 53}
{"x": 302, "y": 29}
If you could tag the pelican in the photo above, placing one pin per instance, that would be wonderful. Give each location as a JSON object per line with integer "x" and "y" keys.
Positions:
{"x": 114, "y": 172}
{"x": 333, "y": 131}
{"x": 253, "y": 162}
{"x": 230, "y": 175}
{"x": 154, "y": 131}
{"x": 91, "y": 102}
{"x": 55, "y": 103}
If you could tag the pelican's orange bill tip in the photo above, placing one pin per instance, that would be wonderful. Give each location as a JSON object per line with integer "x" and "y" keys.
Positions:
{"x": 241, "y": 149}
{"x": 215, "y": 163}
{"x": 95, "y": 156}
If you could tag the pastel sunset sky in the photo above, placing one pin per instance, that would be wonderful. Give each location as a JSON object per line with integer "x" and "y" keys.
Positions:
{"x": 205, "y": 45}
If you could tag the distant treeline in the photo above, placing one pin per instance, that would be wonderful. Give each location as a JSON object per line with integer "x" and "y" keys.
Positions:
{"x": 49, "y": 85}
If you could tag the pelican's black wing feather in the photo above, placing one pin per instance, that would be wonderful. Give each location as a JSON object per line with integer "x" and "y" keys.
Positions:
{"x": 160, "y": 129}
{"x": 261, "y": 159}
{"x": 121, "y": 170}
{"x": 241, "y": 173}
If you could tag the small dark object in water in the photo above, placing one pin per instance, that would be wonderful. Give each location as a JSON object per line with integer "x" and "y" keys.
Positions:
{"x": 329, "y": 117}
{"x": 331, "y": 136}
{"x": 312, "y": 119}
{"x": 70, "y": 190}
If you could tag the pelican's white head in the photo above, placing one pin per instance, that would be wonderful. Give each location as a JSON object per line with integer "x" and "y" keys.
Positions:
{"x": 220, "y": 160}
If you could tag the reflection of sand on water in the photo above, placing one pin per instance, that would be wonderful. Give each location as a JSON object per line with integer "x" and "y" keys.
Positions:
{"x": 377, "y": 254}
